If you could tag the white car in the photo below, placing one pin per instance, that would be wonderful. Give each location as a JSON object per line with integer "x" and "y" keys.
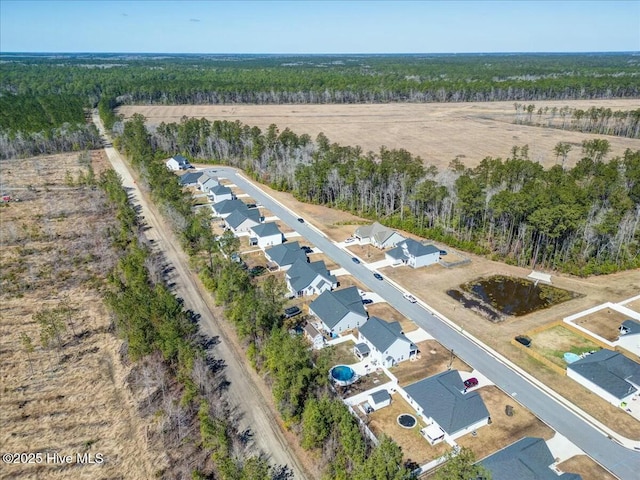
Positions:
{"x": 410, "y": 297}
{"x": 350, "y": 240}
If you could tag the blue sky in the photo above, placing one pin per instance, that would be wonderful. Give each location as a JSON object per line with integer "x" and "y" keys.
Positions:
{"x": 328, "y": 26}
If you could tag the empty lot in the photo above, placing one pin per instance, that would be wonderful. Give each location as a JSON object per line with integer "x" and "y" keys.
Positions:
{"x": 437, "y": 132}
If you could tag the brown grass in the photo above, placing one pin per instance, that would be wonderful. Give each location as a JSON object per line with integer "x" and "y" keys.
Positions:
{"x": 414, "y": 446}
{"x": 604, "y": 322}
{"x": 386, "y": 312}
{"x": 434, "y": 358}
{"x": 586, "y": 467}
{"x": 368, "y": 253}
{"x": 55, "y": 246}
{"x": 503, "y": 430}
{"x": 438, "y": 133}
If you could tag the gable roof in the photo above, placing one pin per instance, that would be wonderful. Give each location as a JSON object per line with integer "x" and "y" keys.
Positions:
{"x": 183, "y": 162}
{"x": 632, "y": 326}
{"x": 376, "y": 231}
{"x": 189, "y": 178}
{"x": 331, "y": 307}
{"x": 441, "y": 398}
{"x": 301, "y": 274}
{"x": 266, "y": 229}
{"x": 220, "y": 190}
{"x": 610, "y": 370}
{"x": 238, "y": 217}
{"x": 228, "y": 206}
{"x": 410, "y": 247}
{"x": 526, "y": 459}
{"x": 383, "y": 334}
{"x": 286, "y": 253}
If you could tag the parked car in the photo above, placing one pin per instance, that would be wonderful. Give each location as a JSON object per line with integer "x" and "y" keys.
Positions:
{"x": 257, "y": 270}
{"x": 366, "y": 301}
{"x": 251, "y": 205}
{"x": 443, "y": 253}
{"x": 410, "y": 297}
{"x": 470, "y": 383}
{"x": 523, "y": 340}
{"x": 350, "y": 240}
{"x": 292, "y": 312}
{"x": 355, "y": 260}
{"x": 377, "y": 276}
{"x": 301, "y": 220}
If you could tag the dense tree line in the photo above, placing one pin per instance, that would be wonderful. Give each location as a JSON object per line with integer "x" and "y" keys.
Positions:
{"x": 183, "y": 383}
{"x": 599, "y": 120}
{"x": 299, "y": 380}
{"x": 582, "y": 220}
{"x": 43, "y": 124}
{"x": 272, "y": 79}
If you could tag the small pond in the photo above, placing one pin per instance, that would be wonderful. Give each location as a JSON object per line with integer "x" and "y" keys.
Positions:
{"x": 407, "y": 421}
{"x": 510, "y": 296}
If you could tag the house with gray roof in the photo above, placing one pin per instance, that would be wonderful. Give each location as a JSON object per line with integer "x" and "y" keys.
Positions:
{"x": 266, "y": 235}
{"x": 226, "y": 207}
{"x": 378, "y": 235}
{"x": 412, "y": 253}
{"x": 386, "y": 341}
{"x": 528, "y": 459}
{"x": 629, "y": 338}
{"x": 609, "y": 374}
{"x": 441, "y": 400}
{"x": 285, "y": 255}
{"x": 219, "y": 193}
{"x": 241, "y": 221}
{"x": 189, "y": 179}
{"x": 379, "y": 399}
{"x": 178, "y": 162}
{"x": 314, "y": 336}
{"x": 309, "y": 278}
{"x": 207, "y": 182}
{"x": 339, "y": 310}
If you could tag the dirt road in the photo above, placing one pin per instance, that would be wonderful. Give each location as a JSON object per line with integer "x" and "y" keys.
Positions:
{"x": 243, "y": 393}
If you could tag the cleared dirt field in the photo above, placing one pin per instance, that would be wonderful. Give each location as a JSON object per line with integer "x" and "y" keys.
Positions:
{"x": 436, "y": 132}
{"x": 69, "y": 398}
{"x": 604, "y": 322}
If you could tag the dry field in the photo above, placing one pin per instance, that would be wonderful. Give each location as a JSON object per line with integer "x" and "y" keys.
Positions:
{"x": 583, "y": 465}
{"x": 387, "y": 312}
{"x": 434, "y": 358}
{"x": 604, "y": 322}
{"x": 436, "y": 132}
{"x": 68, "y": 399}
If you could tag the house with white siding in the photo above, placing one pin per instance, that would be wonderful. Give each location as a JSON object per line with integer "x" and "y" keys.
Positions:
{"x": 206, "y": 183}
{"x": 178, "y": 162}
{"x": 190, "y": 179}
{"x": 266, "y": 235}
{"x": 608, "y": 374}
{"x": 339, "y": 310}
{"x": 284, "y": 255}
{"x": 386, "y": 341}
{"x": 378, "y": 235}
{"x": 226, "y": 207}
{"x": 629, "y": 338}
{"x": 219, "y": 193}
{"x": 445, "y": 407}
{"x": 309, "y": 278}
{"x": 241, "y": 221}
{"x": 414, "y": 254}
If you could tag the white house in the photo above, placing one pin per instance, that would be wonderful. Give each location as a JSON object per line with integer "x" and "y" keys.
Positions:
{"x": 441, "y": 401}
{"x": 206, "y": 183}
{"x": 218, "y": 193}
{"x": 267, "y": 234}
{"x": 284, "y": 255}
{"x": 379, "y": 399}
{"x": 189, "y": 179}
{"x": 608, "y": 374}
{"x": 178, "y": 162}
{"x": 412, "y": 253}
{"x": 386, "y": 341}
{"x": 314, "y": 336}
{"x": 629, "y": 338}
{"x": 226, "y": 207}
{"x": 339, "y": 310}
{"x": 309, "y": 278}
{"x": 243, "y": 220}
{"x": 378, "y": 235}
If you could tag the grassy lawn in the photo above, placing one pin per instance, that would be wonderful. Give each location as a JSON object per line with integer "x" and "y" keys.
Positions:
{"x": 554, "y": 342}
{"x": 586, "y": 467}
{"x": 342, "y": 354}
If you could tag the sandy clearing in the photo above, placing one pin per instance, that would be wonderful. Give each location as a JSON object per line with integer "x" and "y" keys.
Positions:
{"x": 436, "y": 132}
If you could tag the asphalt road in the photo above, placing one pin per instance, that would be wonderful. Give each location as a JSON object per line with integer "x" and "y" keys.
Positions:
{"x": 621, "y": 461}
{"x": 242, "y": 394}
